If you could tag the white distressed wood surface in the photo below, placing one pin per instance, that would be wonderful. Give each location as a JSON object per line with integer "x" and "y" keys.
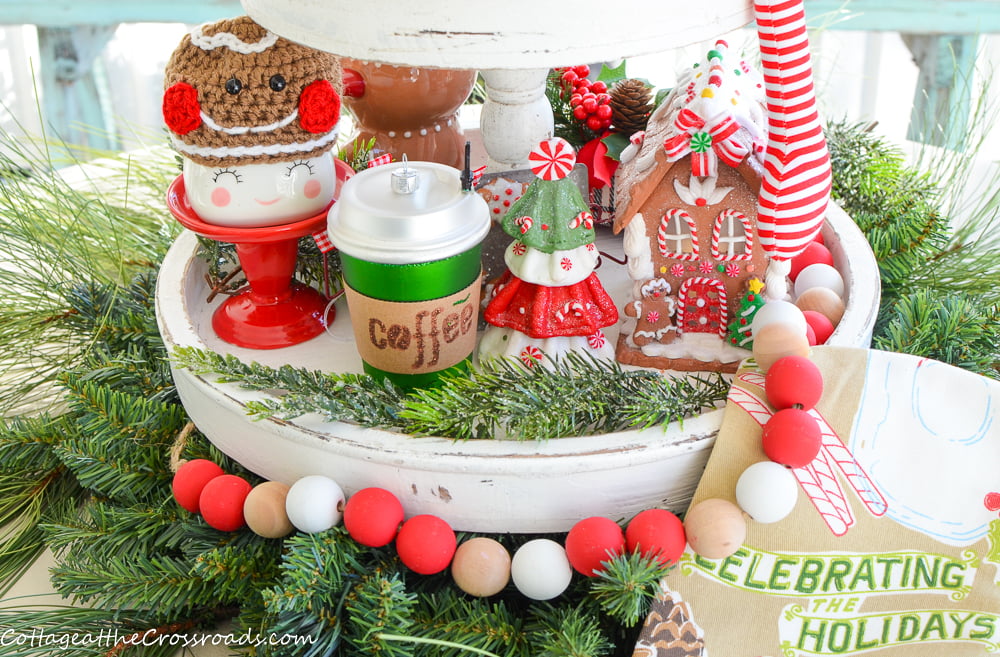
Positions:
{"x": 513, "y": 34}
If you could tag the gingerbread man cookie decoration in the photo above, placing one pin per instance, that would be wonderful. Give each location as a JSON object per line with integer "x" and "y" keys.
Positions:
{"x": 654, "y": 312}
{"x": 255, "y": 116}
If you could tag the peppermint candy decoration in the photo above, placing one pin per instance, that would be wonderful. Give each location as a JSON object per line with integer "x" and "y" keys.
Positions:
{"x": 552, "y": 159}
{"x": 530, "y": 356}
{"x": 596, "y": 340}
{"x": 525, "y": 223}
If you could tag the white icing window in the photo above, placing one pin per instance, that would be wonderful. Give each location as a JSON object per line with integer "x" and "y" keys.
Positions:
{"x": 677, "y": 236}
{"x": 732, "y": 236}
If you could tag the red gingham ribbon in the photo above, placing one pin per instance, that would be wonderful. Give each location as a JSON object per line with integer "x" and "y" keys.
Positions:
{"x": 323, "y": 241}
{"x": 385, "y": 158}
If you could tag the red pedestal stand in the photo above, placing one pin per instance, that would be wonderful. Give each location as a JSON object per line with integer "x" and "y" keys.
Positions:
{"x": 272, "y": 311}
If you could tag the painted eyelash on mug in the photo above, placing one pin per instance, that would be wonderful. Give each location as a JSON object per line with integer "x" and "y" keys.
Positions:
{"x": 218, "y": 174}
{"x": 297, "y": 163}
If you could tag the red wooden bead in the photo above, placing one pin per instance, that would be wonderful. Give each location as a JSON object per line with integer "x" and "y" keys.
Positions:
{"x": 792, "y": 437}
{"x": 222, "y": 501}
{"x": 820, "y": 324}
{"x": 372, "y": 516}
{"x": 815, "y": 252}
{"x": 810, "y": 336}
{"x": 793, "y": 380}
{"x": 190, "y": 479}
{"x": 591, "y": 541}
{"x": 426, "y": 544}
{"x": 656, "y": 533}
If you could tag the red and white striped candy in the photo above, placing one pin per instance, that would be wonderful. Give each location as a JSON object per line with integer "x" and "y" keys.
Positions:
{"x": 552, "y": 159}
{"x": 797, "y": 179}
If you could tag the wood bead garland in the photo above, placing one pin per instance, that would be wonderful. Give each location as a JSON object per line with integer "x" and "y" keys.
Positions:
{"x": 481, "y": 567}
{"x": 190, "y": 480}
{"x": 815, "y": 252}
{"x": 775, "y": 341}
{"x": 767, "y": 491}
{"x": 540, "y": 569}
{"x": 426, "y": 544}
{"x": 823, "y": 301}
{"x": 264, "y": 510}
{"x": 793, "y": 381}
{"x": 221, "y": 502}
{"x": 715, "y": 528}
{"x": 314, "y": 504}
{"x": 656, "y": 533}
{"x": 791, "y": 437}
{"x": 372, "y": 516}
{"x": 592, "y": 541}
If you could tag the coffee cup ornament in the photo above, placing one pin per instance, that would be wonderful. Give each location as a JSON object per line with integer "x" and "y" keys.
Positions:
{"x": 255, "y": 117}
{"x": 410, "y": 239}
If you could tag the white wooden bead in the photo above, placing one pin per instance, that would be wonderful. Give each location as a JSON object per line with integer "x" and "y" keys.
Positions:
{"x": 775, "y": 311}
{"x": 314, "y": 504}
{"x": 540, "y": 569}
{"x": 820, "y": 275}
{"x": 767, "y": 491}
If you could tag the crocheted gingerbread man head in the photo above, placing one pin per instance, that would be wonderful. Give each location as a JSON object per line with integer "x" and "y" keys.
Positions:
{"x": 236, "y": 93}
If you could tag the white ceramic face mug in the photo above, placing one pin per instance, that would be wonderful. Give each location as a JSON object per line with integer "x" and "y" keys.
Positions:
{"x": 255, "y": 195}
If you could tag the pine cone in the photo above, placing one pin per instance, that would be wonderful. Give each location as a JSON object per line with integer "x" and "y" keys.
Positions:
{"x": 631, "y": 104}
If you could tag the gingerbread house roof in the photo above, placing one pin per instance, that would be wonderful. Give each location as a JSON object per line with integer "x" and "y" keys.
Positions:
{"x": 715, "y": 114}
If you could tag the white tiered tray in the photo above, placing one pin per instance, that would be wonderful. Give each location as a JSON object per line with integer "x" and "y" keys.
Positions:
{"x": 484, "y": 485}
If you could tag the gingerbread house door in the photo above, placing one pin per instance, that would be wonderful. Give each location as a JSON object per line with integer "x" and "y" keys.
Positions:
{"x": 703, "y": 306}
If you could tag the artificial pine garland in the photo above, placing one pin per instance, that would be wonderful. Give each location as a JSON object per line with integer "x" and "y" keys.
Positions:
{"x": 577, "y": 395}
{"x": 90, "y": 478}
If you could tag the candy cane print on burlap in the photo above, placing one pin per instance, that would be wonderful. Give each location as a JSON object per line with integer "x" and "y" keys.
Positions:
{"x": 818, "y": 479}
{"x": 838, "y": 452}
{"x": 796, "y": 184}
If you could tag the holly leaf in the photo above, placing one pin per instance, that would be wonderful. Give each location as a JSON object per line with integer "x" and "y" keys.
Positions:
{"x": 610, "y": 75}
{"x": 616, "y": 143}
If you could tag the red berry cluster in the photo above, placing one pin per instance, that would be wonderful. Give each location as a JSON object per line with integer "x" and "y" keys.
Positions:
{"x": 590, "y": 101}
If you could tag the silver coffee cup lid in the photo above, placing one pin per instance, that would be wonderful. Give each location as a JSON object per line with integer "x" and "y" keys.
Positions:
{"x": 407, "y": 212}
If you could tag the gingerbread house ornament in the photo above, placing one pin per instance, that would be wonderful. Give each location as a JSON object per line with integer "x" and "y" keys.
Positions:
{"x": 687, "y": 199}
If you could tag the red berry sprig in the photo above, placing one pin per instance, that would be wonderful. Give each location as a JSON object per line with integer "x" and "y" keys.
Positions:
{"x": 589, "y": 101}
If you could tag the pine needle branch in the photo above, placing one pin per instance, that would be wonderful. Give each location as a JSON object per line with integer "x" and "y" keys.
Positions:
{"x": 577, "y": 395}
{"x": 627, "y": 585}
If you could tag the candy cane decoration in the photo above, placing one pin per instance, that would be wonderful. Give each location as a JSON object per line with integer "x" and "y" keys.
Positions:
{"x": 797, "y": 179}
{"x": 856, "y": 475}
{"x": 824, "y": 492}
{"x": 732, "y": 215}
{"x": 670, "y": 216}
{"x": 720, "y": 290}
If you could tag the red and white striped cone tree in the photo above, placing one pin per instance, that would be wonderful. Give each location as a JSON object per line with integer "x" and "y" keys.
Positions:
{"x": 796, "y": 184}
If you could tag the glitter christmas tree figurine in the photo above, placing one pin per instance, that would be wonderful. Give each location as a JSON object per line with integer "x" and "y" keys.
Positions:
{"x": 549, "y": 301}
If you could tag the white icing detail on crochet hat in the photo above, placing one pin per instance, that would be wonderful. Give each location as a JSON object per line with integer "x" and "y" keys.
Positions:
{"x": 231, "y": 41}
{"x": 256, "y": 150}
{"x": 242, "y": 130}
